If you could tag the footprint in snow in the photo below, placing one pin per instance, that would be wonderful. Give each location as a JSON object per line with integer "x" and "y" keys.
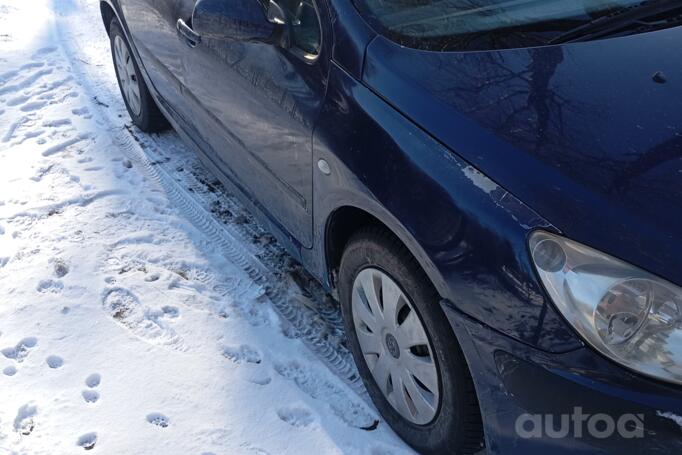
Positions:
{"x": 24, "y": 421}
{"x": 51, "y": 286}
{"x": 9, "y": 371}
{"x": 243, "y": 353}
{"x": 152, "y": 325}
{"x": 32, "y": 106}
{"x": 87, "y": 441}
{"x": 259, "y": 377}
{"x": 354, "y": 413}
{"x": 56, "y": 122}
{"x": 158, "y": 419}
{"x": 60, "y": 267}
{"x": 120, "y": 303}
{"x": 151, "y": 278}
{"x": 296, "y": 416}
{"x": 14, "y": 101}
{"x": 54, "y": 361}
{"x": 93, "y": 380}
{"x": 81, "y": 111}
{"x": 170, "y": 311}
{"x": 21, "y": 350}
{"x": 90, "y": 396}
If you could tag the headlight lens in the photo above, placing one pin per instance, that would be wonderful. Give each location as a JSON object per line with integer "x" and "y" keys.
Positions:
{"x": 629, "y": 315}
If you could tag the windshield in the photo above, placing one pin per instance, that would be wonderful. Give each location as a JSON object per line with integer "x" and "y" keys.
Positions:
{"x": 484, "y": 24}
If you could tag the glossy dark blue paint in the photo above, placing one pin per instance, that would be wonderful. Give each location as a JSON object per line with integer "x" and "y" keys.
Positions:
{"x": 351, "y": 35}
{"x": 152, "y": 26}
{"x": 581, "y": 133}
{"x": 256, "y": 105}
{"x": 470, "y": 233}
{"x": 460, "y": 155}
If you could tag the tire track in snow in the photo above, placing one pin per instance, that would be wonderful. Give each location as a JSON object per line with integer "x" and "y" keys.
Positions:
{"x": 212, "y": 196}
{"x": 303, "y": 319}
{"x": 311, "y": 326}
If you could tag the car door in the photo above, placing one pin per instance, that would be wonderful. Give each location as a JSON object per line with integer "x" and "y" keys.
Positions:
{"x": 256, "y": 105}
{"x": 152, "y": 26}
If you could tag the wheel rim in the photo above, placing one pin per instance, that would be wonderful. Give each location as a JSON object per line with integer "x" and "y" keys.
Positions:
{"x": 127, "y": 76}
{"x": 395, "y": 346}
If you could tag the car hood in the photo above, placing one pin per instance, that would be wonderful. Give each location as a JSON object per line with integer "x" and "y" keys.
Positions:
{"x": 589, "y": 135}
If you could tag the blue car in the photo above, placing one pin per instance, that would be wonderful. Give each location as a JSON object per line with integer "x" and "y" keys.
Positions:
{"x": 491, "y": 188}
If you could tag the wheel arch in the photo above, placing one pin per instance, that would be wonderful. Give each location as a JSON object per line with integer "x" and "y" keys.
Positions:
{"x": 108, "y": 13}
{"x": 346, "y": 220}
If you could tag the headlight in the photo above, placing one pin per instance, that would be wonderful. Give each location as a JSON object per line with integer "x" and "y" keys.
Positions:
{"x": 627, "y": 314}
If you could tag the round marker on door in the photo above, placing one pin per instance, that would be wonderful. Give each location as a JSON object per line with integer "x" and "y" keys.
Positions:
{"x": 324, "y": 167}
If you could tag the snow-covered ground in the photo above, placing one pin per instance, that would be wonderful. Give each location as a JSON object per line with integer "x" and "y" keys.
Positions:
{"x": 142, "y": 310}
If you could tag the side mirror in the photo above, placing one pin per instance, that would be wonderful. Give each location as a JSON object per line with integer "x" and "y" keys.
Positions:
{"x": 242, "y": 20}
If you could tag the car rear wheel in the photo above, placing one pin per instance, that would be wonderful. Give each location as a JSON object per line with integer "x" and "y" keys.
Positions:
{"x": 407, "y": 355}
{"x": 139, "y": 102}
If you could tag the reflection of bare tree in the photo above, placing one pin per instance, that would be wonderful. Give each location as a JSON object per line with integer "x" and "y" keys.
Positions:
{"x": 645, "y": 162}
{"x": 514, "y": 94}
{"x": 513, "y": 97}
{"x": 541, "y": 97}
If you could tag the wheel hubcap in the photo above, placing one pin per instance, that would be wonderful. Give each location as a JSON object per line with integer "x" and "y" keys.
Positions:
{"x": 392, "y": 346}
{"x": 127, "y": 76}
{"x": 395, "y": 346}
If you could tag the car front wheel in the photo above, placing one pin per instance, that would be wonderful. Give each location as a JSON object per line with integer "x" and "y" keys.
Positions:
{"x": 405, "y": 350}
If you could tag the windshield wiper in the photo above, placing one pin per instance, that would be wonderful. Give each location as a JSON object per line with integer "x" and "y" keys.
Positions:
{"x": 624, "y": 19}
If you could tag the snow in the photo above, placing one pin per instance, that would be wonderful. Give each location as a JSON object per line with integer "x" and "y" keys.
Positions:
{"x": 137, "y": 298}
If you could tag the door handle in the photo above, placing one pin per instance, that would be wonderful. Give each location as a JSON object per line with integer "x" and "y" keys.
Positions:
{"x": 191, "y": 37}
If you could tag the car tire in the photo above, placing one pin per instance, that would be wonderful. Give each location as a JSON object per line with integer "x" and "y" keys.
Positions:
{"x": 456, "y": 427}
{"x": 139, "y": 102}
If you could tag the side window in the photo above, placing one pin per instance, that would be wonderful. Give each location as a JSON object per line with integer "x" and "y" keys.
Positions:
{"x": 306, "y": 29}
